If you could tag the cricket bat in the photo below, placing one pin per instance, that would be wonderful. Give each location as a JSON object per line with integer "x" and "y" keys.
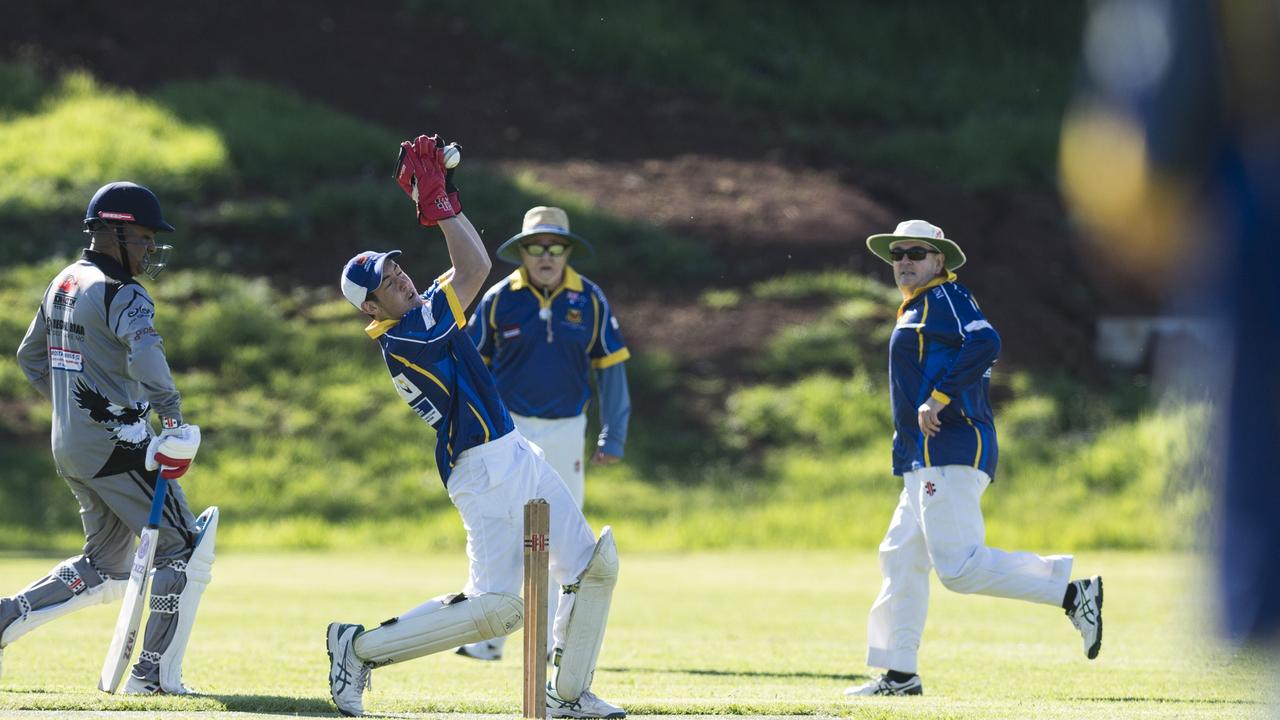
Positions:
{"x": 135, "y": 595}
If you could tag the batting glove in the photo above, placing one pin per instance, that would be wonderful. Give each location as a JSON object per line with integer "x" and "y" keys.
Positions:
{"x": 172, "y": 451}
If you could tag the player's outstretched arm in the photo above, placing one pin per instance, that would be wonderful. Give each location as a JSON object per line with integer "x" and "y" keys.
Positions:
{"x": 471, "y": 262}
{"x": 425, "y": 171}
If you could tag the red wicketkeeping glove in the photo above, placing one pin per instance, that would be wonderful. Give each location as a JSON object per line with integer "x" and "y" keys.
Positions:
{"x": 420, "y": 172}
{"x": 430, "y": 151}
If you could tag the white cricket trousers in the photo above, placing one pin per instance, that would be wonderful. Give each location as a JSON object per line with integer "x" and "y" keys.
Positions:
{"x": 938, "y": 525}
{"x": 489, "y": 486}
{"x": 562, "y": 441}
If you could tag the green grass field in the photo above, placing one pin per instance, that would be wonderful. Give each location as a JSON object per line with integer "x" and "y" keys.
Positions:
{"x": 734, "y": 633}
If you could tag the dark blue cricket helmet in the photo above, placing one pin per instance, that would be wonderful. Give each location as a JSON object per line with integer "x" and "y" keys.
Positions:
{"x": 126, "y": 202}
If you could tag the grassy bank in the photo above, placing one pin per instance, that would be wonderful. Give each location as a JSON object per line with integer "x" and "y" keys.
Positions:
{"x": 971, "y": 92}
{"x": 306, "y": 446}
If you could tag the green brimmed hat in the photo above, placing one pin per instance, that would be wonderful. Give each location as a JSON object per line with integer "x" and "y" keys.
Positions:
{"x": 543, "y": 220}
{"x": 952, "y": 255}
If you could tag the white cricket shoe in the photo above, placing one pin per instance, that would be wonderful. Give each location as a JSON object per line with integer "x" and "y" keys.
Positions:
{"x": 882, "y": 685}
{"x": 588, "y": 705}
{"x": 483, "y": 650}
{"x": 348, "y": 674}
{"x": 138, "y": 686}
{"x": 1087, "y": 614}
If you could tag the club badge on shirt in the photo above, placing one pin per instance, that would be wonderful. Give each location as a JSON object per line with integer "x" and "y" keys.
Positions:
{"x": 573, "y": 316}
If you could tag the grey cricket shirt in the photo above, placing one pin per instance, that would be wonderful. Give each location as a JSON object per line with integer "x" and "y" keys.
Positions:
{"x": 93, "y": 350}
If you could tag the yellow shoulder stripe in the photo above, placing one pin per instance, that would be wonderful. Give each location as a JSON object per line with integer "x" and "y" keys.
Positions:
{"x": 405, "y": 361}
{"x": 459, "y": 315}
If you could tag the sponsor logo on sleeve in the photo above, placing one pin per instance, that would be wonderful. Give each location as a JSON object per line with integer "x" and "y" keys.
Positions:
{"x": 614, "y": 322}
{"x": 67, "y": 284}
{"x": 406, "y": 388}
{"x": 141, "y": 311}
{"x": 428, "y": 412}
{"x": 64, "y": 301}
{"x": 64, "y": 359}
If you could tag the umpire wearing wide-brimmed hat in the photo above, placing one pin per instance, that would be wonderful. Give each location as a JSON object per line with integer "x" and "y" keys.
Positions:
{"x": 941, "y": 354}
{"x": 543, "y": 220}
{"x": 543, "y": 329}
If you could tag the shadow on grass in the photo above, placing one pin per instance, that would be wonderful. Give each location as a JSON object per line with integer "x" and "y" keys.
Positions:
{"x": 739, "y": 673}
{"x": 276, "y": 704}
{"x": 1171, "y": 701}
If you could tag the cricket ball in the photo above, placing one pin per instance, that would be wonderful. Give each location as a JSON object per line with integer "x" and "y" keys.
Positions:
{"x": 452, "y": 156}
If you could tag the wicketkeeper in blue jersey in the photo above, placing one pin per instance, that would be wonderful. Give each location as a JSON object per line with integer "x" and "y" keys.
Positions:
{"x": 489, "y": 470}
{"x": 543, "y": 330}
{"x": 944, "y": 446}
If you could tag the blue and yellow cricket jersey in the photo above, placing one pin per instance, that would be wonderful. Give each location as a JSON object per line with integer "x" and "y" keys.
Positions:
{"x": 436, "y": 369}
{"x": 541, "y": 348}
{"x": 942, "y": 346}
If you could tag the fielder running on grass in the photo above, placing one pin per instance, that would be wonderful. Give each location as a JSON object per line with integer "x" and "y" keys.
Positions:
{"x": 94, "y": 352}
{"x": 944, "y": 447}
{"x": 488, "y": 468}
{"x": 542, "y": 330}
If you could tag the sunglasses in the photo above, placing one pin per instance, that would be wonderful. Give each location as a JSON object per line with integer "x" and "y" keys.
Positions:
{"x": 536, "y": 250}
{"x": 915, "y": 253}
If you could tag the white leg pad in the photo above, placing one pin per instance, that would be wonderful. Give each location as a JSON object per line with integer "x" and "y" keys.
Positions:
{"x": 199, "y": 573}
{"x": 589, "y": 599}
{"x": 452, "y": 620}
{"x": 83, "y": 595}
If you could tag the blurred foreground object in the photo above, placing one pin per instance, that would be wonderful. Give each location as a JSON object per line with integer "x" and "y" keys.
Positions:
{"x": 1170, "y": 158}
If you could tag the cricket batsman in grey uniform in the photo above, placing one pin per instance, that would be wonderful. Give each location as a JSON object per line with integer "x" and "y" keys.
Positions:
{"x": 93, "y": 351}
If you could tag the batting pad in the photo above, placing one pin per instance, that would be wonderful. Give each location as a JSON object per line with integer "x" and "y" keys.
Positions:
{"x": 199, "y": 572}
{"x": 584, "y": 631}
{"x": 86, "y": 585}
{"x": 463, "y": 620}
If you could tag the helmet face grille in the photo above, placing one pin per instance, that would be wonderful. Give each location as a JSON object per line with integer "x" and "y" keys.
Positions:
{"x": 156, "y": 261}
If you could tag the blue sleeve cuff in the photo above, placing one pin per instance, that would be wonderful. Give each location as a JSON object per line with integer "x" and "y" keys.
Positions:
{"x": 615, "y": 408}
{"x": 610, "y": 446}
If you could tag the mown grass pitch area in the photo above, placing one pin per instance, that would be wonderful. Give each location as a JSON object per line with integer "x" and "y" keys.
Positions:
{"x": 724, "y": 633}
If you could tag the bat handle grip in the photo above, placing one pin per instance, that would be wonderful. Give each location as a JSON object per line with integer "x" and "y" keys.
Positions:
{"x": 157, "y": 502}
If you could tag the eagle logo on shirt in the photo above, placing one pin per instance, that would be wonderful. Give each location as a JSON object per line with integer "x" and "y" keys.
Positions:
{"x": 127, "y": 424}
